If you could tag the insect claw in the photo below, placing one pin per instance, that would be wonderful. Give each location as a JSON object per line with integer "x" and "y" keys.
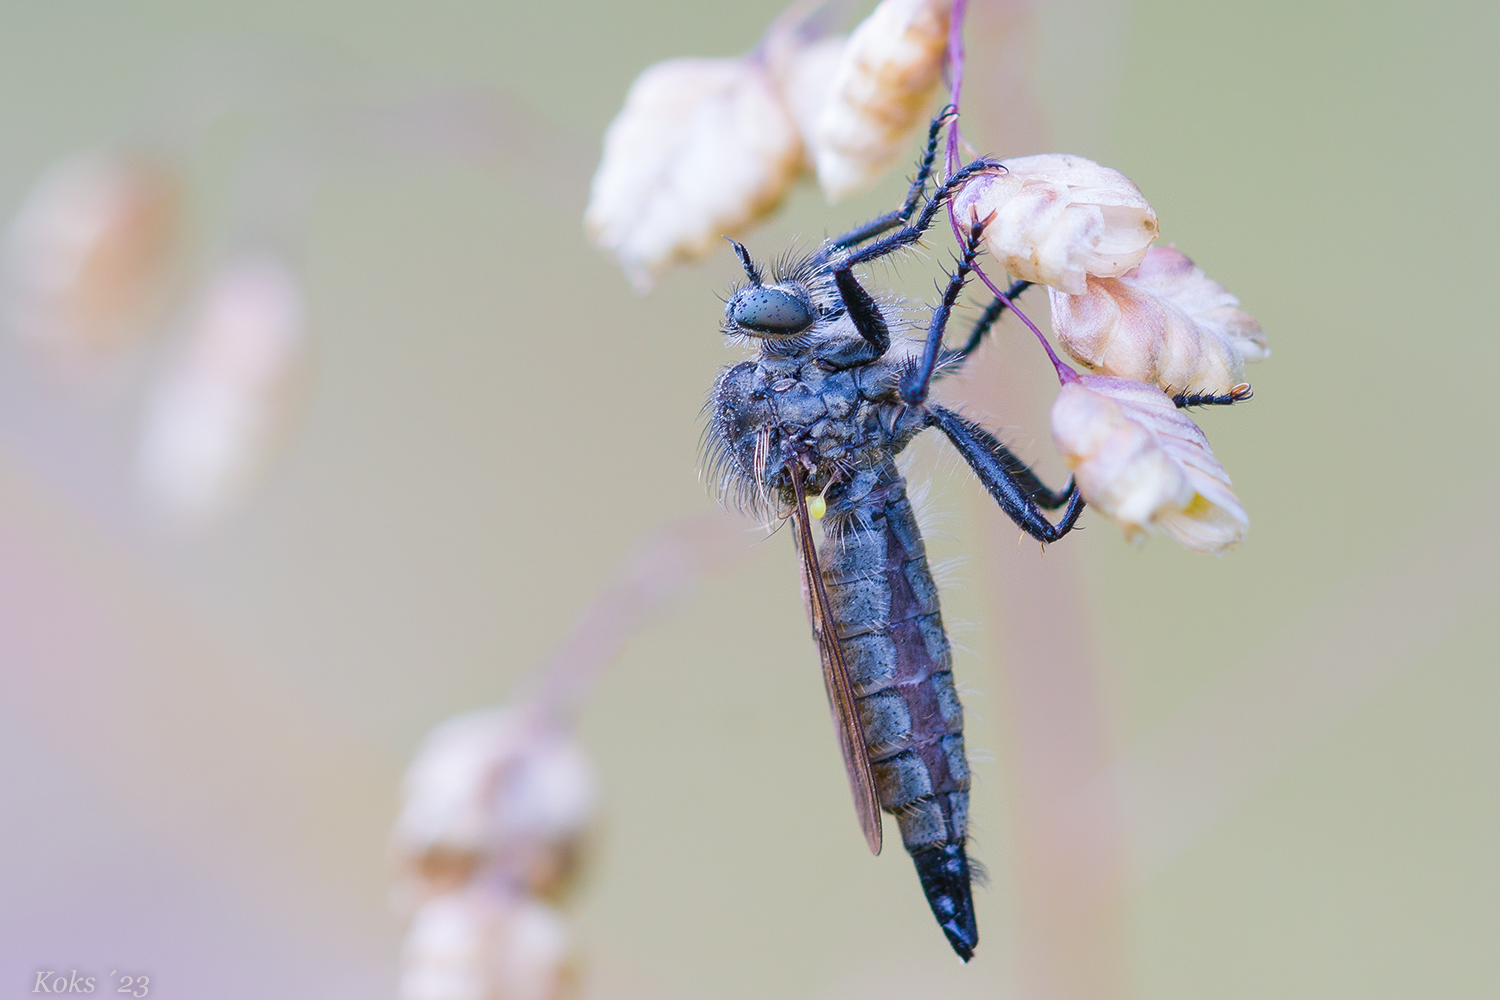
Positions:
{"x": 1237, "y": 394}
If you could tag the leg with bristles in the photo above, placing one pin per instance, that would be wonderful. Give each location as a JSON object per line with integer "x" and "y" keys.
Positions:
{"x": 1238, "y": 394}
{"x": 917, "y": 380}
{"x": 862, "y": 309}
{"x": 915, "y": 230}
{"x": 1030, "y": 483}
{"x": 902, "y": 215}
{"x": 1008, "y": 480}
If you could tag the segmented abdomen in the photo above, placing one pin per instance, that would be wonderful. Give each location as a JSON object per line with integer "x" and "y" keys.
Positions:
{"x": 885, "y": 610}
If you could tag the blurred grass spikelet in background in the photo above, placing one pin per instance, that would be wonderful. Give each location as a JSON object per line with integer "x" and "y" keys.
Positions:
{"x": 85, "y": 261}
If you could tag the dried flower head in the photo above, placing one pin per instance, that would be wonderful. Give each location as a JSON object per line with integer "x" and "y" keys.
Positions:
{"x": 1059, "y": 219}
{"x": 86, "y": 255}
{"x": 212, "y": 421}
{"x": 1164, "y": 322}
{"x": 880, "y": 92}
{"x": 1140, "y": 460}
{"x": 485, "y": 944}
{"x": 499, "y": 790}
{"x": 701, "y": 148}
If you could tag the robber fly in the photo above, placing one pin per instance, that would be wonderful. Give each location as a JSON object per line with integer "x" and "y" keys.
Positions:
{"x": 812, "y": 426}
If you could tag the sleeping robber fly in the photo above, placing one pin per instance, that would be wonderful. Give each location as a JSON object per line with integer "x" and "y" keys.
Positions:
{"x": 811, "y": 427}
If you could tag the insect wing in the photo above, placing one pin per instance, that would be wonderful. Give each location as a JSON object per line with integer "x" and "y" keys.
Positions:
{"x": 846, "y": 724}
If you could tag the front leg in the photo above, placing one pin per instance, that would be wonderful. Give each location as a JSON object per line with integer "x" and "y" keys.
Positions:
{"x": 913, "y": 232}
{"x": 863, "y": 311}
{"x": 900, "y": 216}
{"x": 1010, "y": 482}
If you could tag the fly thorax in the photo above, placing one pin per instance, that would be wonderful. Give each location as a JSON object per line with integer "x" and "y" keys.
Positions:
{"x": 790, "y": 406}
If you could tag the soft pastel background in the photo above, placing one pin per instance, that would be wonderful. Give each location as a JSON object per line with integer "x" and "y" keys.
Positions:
{"x": 1283, "y": 765}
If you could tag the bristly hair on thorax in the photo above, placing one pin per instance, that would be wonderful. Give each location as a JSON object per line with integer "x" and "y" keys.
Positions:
{"x": 746, "y": 485}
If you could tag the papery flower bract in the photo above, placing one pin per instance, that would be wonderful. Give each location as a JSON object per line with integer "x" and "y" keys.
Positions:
{"x": 881, "y": 91}
{"x": 495, "y": 789}
{"x": 701, "y": 148}
{"x": 85, "y": 257}
{"x": 482, "y": 943}
{"x": 804, "y": 75}
{"x": 1140, "y": 460}
{"x": 1165, "y": 322}
{"x": 1059, "y": 218}
{"x": 211, "y": 422}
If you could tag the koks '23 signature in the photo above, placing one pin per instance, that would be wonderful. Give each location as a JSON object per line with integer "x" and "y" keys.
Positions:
{"x": 72, "y": 982}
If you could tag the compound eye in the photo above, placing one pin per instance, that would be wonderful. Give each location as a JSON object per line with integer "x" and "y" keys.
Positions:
{"x": 771, "y": 311}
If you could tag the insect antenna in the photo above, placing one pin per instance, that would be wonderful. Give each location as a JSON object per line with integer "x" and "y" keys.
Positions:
{"x": 751, "y": 271}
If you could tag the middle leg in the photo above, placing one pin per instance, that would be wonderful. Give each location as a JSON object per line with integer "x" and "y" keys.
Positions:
{"x": 862, "y": 309}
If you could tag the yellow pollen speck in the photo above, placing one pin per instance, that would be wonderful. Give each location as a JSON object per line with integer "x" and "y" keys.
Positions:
{"x": 817, "y": 506}
{"x": 1199, "y": 506}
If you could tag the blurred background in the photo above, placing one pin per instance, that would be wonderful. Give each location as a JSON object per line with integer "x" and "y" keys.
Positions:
{"x": 1269, "y": 774}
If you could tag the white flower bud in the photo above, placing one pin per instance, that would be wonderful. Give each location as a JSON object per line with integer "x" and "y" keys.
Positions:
{"x": 1165, "y": 322}
{"x": 881, "y": 92}
{"x": 1140, "y": 460}
{"x": 211, "y": 424}
{"x": 85, "y": 257}
{"x": 701, "y": 148}
{"x": 498, "y": 790}
{"x": 1058, "y": 219}
{"x": 483, "y": 944}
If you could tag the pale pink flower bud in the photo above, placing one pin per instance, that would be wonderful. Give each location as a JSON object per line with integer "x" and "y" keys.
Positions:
{"x": 1165, "y": 322}
{"x": 484, "y": 944}
{"x": 881, "y": 92}
{"x": 211, "y": 423}
{"x": 498, "y": 790}
{"x": 1140, "y": 460}
{"x": 1058, "y": 219}
{"x": 702, "y": 148}
{"x": 84, "y": 259}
